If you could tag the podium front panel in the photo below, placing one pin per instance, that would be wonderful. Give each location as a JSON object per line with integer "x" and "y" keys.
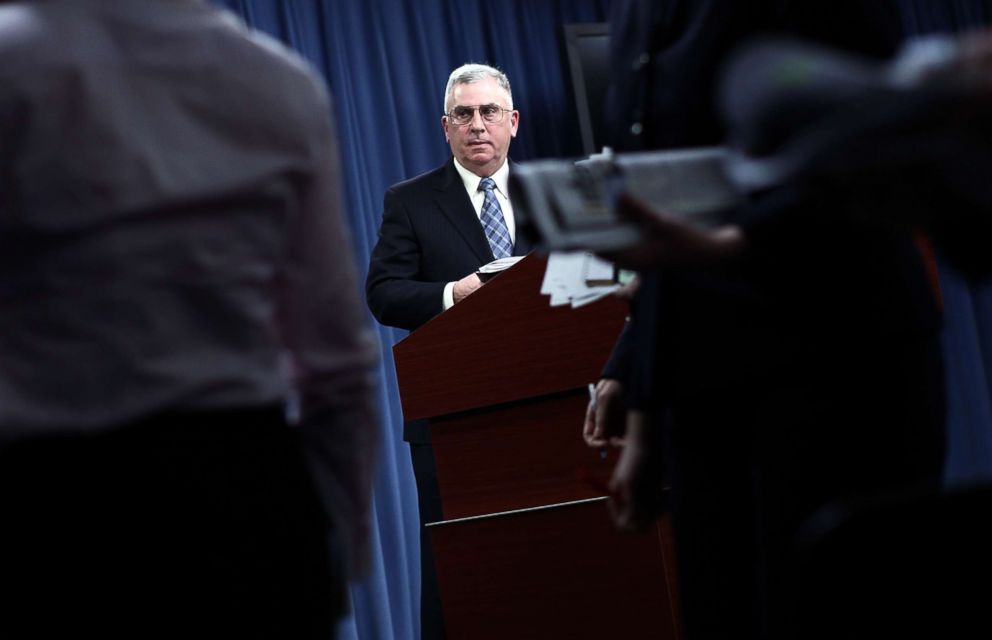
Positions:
{"x": 517, "y": 455}
{"x": 557, "y": 572}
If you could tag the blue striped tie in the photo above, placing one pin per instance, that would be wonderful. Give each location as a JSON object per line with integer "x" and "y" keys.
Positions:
{"x": 493, "y": 223}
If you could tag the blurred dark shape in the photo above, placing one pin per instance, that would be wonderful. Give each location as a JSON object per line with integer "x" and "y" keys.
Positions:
{"x": 804, "y": 372}
{"x": 909, "y": 565}
{"x": 904, "y": 143}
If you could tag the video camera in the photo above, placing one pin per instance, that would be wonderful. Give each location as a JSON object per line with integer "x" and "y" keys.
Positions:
{"x": 908, "y": 132}
{"x": 572, "y": 206}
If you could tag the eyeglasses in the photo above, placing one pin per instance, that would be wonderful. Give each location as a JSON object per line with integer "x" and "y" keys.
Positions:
{"x": 463, "y": 114}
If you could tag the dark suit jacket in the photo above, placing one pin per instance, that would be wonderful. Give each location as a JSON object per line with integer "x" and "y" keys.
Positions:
{"x": 430, "y": 236}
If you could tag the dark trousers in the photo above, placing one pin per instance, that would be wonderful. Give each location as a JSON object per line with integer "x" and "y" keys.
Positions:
{"x": 429, "y": 500}
{"x": 202, "y": 524}
{"x": 751, "y": 471}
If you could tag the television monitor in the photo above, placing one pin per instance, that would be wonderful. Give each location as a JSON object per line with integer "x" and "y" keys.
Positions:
{"x": 587, "y": 56}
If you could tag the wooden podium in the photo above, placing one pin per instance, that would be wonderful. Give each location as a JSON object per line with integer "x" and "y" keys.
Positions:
{"x": 527, "y": 549}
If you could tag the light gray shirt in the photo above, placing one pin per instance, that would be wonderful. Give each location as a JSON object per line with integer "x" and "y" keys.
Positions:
{"x": 171, "y": 232}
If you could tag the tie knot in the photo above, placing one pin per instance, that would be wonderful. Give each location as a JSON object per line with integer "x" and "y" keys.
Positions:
{"x": 487, "y": 184}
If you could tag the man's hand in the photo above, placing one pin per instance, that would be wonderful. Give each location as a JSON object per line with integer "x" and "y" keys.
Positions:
{"x": 604, "y": 423}
{"x": 629, "y": 291}
{"x": 464, "y": 287}
{"x": 636, "y": 484}
{"x": 672, "y": 241}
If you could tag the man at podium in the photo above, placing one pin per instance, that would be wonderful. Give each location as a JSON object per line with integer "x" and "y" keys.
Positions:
{"x": 437, "y": 230}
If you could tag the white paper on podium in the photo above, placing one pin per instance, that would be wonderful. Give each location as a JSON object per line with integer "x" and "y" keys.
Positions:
{"x": 498, "y": 265}
{"x": 566, "y": 274}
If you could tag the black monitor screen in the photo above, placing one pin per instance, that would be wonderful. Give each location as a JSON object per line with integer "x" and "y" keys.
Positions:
{"x": 587, "y": 54}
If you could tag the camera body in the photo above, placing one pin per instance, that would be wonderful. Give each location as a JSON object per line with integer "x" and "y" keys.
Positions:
{"x": 564, "y": 205}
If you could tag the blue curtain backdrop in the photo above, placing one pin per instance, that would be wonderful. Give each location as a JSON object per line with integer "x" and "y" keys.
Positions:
{"x": 386, "y": 62}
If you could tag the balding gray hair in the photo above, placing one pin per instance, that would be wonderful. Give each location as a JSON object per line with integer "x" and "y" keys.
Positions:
{"x": 471, "y": 73}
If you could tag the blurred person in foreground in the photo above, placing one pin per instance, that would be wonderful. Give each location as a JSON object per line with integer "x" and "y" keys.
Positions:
{"x": 186, "y": 420}
{"x": 779, "y": 364}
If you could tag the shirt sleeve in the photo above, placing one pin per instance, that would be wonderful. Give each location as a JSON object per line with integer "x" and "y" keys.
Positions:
{"x": 330, "y": 343}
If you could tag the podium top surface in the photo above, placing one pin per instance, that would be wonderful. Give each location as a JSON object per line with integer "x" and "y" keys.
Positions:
{"x": 504, "y": 343}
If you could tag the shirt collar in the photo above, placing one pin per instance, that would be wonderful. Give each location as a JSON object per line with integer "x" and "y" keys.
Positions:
{"x": 471, "y": 181}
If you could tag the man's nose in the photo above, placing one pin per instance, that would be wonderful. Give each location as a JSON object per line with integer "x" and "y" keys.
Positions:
{"x": 477, "y": 123}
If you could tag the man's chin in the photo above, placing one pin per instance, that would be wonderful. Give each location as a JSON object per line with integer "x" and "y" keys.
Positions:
{"x": 480, "y": 158}
{"x": 475, "y": 165}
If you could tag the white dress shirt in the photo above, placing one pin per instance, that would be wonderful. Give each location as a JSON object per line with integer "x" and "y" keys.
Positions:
{"x": 478, "y": 197}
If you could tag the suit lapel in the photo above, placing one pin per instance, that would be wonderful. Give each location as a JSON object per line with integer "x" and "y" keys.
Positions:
{"x": 521, "y": 247}
{"x": 456, "y": 206}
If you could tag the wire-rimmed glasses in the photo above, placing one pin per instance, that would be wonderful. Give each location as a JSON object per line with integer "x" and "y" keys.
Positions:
{"x": 461, "y": 115}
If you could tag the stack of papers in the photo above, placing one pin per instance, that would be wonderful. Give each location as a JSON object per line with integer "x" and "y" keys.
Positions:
{"x": 577, "y": 278}
{"x": 487, "y": 271}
